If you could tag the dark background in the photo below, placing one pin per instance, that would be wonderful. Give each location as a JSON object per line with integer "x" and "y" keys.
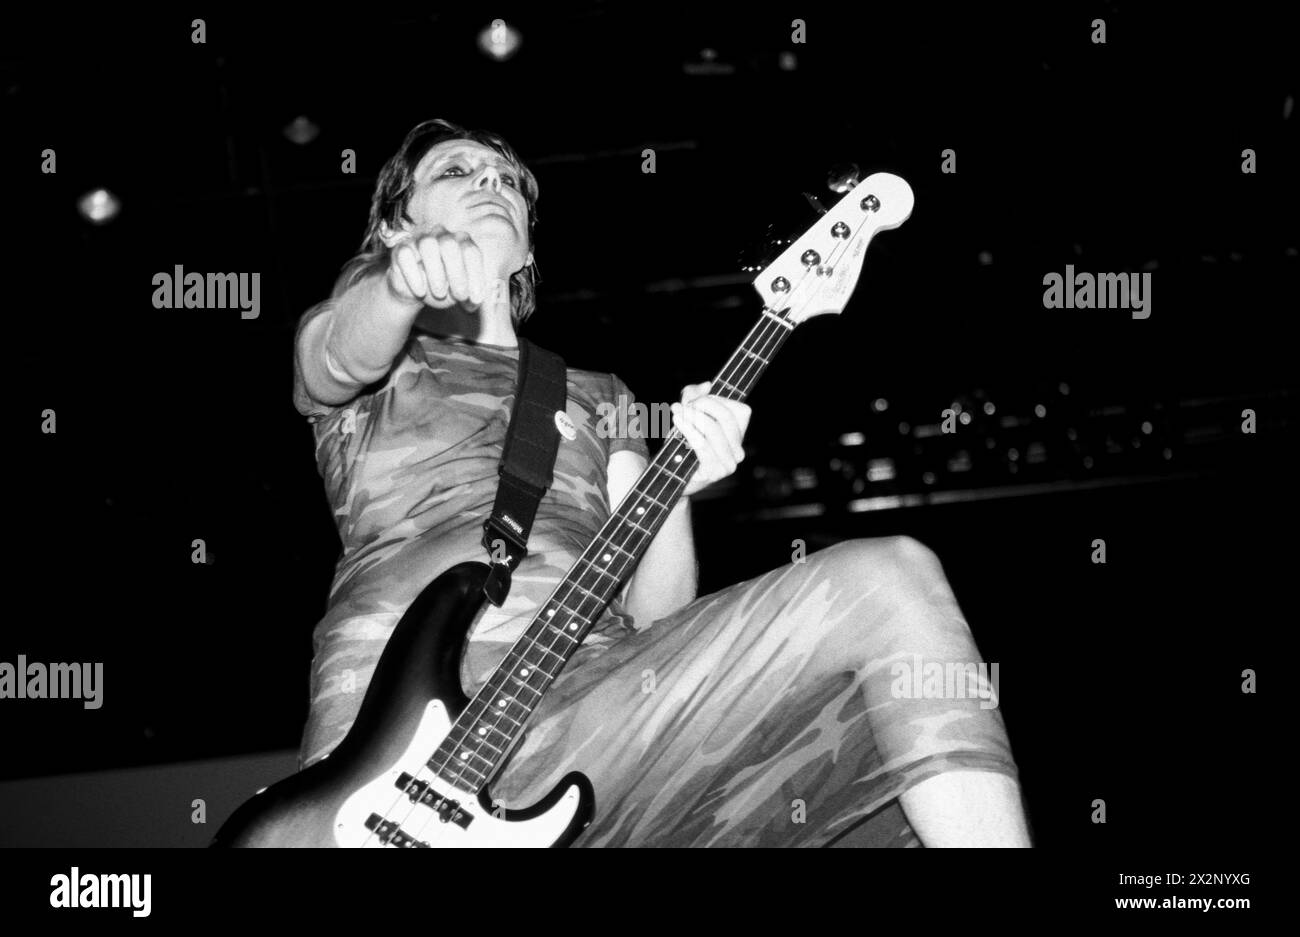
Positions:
{"x": 1119, "y": 681}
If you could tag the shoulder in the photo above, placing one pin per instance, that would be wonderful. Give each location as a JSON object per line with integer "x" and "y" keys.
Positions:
{"x": 607, "y": 400}
{"x": 601, "y": 393}
{"x": 598, "y": 386}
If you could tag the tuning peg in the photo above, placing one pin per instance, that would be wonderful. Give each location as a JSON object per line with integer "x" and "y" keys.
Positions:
{"x": 843, "y": 177}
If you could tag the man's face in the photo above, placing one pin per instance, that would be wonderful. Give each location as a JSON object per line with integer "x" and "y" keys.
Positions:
{"x": 469, "y": 188}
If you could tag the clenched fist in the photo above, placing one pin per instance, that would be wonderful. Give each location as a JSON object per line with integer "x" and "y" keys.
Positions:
{"x": 441, "y": 269}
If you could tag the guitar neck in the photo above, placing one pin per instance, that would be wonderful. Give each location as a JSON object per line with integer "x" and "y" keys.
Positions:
{"x": 491, "y": 724}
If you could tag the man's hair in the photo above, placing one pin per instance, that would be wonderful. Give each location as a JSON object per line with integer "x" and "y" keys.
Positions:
{"x": 392, "y": 197}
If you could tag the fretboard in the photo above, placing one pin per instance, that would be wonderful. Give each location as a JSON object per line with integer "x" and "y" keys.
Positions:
{"x": 483, "y": 735}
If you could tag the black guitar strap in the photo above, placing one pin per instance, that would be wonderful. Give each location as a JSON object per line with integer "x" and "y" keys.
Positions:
{"x": 527, "y": 463}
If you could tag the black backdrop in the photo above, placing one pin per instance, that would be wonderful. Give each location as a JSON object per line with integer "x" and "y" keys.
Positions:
{"x": 1119, "y": 681}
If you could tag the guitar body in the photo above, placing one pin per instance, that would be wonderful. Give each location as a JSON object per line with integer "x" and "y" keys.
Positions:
{"x": 354, "y": 796}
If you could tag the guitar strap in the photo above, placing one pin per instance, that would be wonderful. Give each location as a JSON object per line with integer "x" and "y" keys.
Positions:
{"x": 527, "y": 464}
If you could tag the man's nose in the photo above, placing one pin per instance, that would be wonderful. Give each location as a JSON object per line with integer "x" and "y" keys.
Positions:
{"x": 489, "y": 177}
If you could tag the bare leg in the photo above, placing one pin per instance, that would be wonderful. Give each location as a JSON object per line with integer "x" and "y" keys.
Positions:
{"x": 965, "y": 809}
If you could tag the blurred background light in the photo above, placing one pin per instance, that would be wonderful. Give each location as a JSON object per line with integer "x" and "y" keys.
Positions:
{"x": 99, "y": 206}
{"x": 499, "y": 40}
{"x": 301, "y": 130}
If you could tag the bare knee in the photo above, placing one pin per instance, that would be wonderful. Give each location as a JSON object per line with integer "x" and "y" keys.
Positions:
{"x": 896, "y": 596}
{"x": 884, "y": 560}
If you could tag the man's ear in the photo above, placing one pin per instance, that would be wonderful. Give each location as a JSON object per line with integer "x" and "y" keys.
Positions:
{"x": 388, "y": 235}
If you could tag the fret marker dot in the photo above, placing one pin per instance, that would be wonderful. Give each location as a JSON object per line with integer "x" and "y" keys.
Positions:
{"x": 640, "y": 510}
{"x": 523, "y": 671}
{"x": 607, "y": 557}
{"x": 550, "y": 612}
{"x": 501, "y": 703}
{"x": 678, "y": 457}
{"x": 464, "y": 756}
{"x": 483, "y": 730}
{"x": 573, "y": 626}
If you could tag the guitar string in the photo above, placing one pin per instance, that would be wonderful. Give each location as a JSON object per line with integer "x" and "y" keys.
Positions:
{"x": 734, "y": 376}
{"x": 758, "y": 338}
{"x": 657, "y": 487}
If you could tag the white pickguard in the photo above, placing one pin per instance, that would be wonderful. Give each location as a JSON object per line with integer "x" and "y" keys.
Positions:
{"x": 382, "y": 796}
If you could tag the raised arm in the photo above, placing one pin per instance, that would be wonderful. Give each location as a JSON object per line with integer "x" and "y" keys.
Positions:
{"x": 350, "y": 340}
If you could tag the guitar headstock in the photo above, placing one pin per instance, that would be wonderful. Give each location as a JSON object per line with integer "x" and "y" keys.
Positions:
{"x": 816, "y": 274}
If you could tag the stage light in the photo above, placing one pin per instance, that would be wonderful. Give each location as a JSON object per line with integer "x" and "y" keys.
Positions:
{"x": 880, "y": 405}
{"x": 880, "y": 470}
{"x": 301, "y": 130}
{"x": 989, "y": 409}
{"x": 788, "y": 61}
{"x": 852, "y": 439}
{"x": 804, "y": 479}
{"x": 499, "y": 40}
{"x": 708, "y": 64}
{"x": 881, "y": 503}
{"x": 99, "y": 206}
{"x": 1040, "y": 411}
